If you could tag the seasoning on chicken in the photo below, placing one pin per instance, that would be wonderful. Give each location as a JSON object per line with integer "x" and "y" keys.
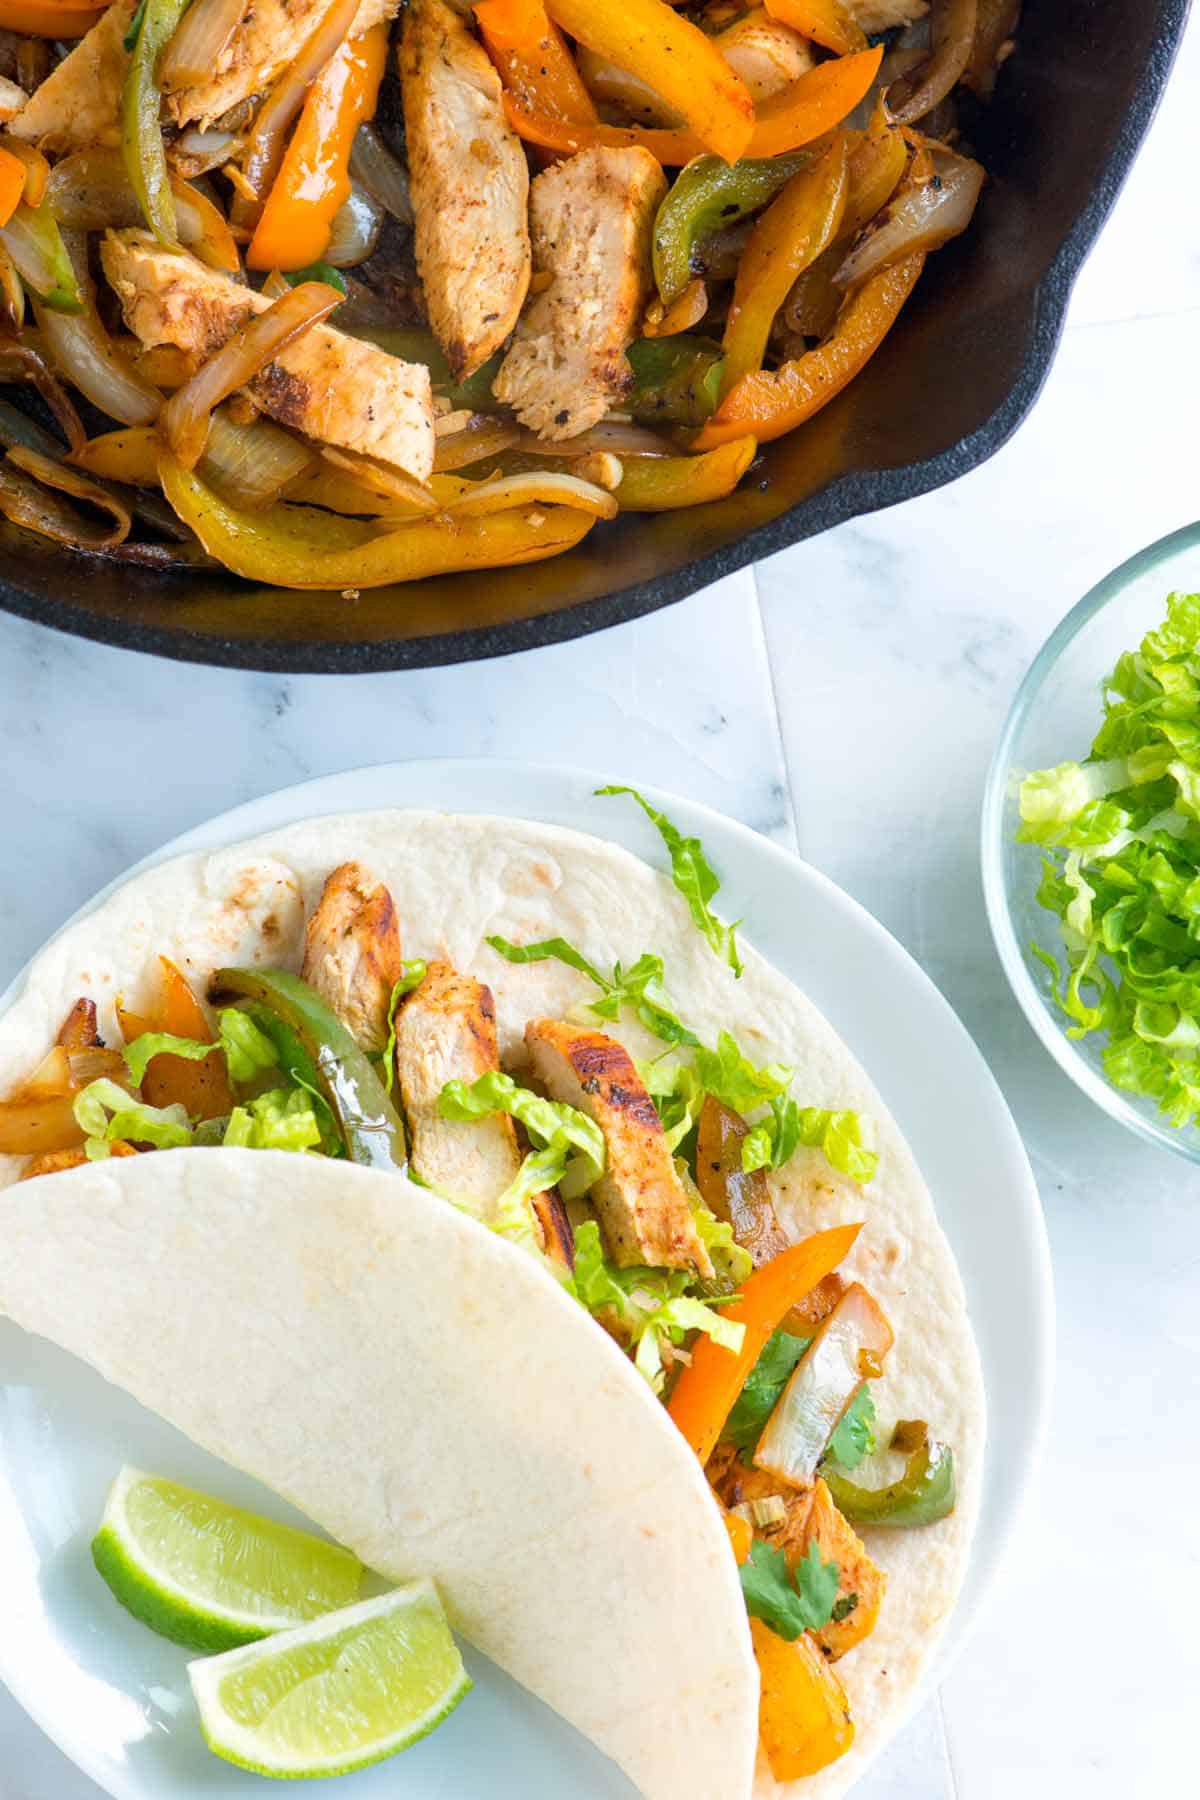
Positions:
{"x": 352, "y": 953}
{"x": 257, "y": 52}
{"x": 54, "y": 1162}
{"x": 592, "y": 218}
{"x": 470, "y": 186}
{"x": 640, "y": 1202}
{"x": 329, "y": 386}
{"x": 883, "y": 15}
{"x": 808, "y": 1516}
{"x": 767, "y": 54}
{"x": 79, "y": 103}
{"x": 446, "y": 1031}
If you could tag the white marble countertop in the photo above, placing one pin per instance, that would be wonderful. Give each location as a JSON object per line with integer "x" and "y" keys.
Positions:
{"x": 843, "y": 698}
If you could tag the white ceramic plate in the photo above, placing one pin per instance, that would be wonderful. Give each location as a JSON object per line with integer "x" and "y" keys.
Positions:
{"x": 116, "y": 1698}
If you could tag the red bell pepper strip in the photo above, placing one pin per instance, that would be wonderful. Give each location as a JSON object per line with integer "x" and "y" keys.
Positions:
{"x": 774, "y": 401}
{"x": 704, "y": 1395}
{"x": 314, "y": 177}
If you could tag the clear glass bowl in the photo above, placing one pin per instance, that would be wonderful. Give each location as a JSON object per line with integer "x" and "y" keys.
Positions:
{"x": 1054, "y": 718}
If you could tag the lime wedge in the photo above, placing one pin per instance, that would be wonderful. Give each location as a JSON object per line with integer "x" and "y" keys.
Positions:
{"x": 345, "y": 1691}
{"x": 209, "y": 1575}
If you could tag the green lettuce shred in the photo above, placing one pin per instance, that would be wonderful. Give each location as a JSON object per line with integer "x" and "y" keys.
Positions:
{"x": 695, "y": 878}
{"x": 1120, "y": 833}
{"x": 281, "y": 1119}
{"x": 107, "y": 1115}
{"x": 653, "y": 1305}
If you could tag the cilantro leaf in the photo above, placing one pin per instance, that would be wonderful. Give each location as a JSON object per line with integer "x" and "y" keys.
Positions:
{"x": 854, "y": 1435}
{"x": 789, "y": 1604}
{"x": 695, "y": 878}
{"x": 764, "y": 1384}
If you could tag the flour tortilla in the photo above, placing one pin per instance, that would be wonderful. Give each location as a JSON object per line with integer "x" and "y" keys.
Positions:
{"x": 455, "y": 880}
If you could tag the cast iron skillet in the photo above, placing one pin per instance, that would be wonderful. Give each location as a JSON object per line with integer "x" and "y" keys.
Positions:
{"x": 952, "y": 381}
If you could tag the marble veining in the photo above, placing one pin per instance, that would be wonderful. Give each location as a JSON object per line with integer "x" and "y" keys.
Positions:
{"x": 844, "y": 698}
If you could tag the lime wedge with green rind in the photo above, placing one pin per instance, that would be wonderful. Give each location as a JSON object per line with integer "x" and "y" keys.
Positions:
{"x": 337, "y": 1694}
{"x": 208, "y": 1574}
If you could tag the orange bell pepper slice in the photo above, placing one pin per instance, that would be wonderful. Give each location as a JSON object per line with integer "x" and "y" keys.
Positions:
{"x": 877, "y": 164}
{"x": 48, "y": 18}
{"x": 826, "y": 22}
{"x": 12, "y": 184}
{"x": 774, "y": 401}
{"x": 801, "y": 222}
{"x": 674, "y": 57}
{"x": 314, "y": 177}
{"x": 665, "y": 483}
{"x": 705, "y": 1392}
{"x": 741, "y": 1535}
{"x": 804, "y": 1721}
{"x": 532, "y": 57}
{"x": 201, "y": 1087}
{"x": 814, "y": 103}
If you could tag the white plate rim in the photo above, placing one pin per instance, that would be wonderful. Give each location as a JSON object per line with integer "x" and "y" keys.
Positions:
{"x": 563, "y": 794}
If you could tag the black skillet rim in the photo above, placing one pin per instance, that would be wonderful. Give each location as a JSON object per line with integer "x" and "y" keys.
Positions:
{"x": 851, "y": 496}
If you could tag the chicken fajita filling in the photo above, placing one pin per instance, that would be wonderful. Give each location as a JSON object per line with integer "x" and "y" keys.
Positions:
{"x": 338, "y": 293}
{"x": 644, "y": 1185}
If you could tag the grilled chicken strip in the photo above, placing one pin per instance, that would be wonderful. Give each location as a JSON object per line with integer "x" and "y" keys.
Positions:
{"x": 53, "y": 1162}
{"x": 446, "y": 1031}
{"x": 639, "y": 1200}
{"x": 592, "y": 218}
{"x": 809, "y": 1517}
{"x": 261, "y": 46}
{"x": 326, "y": 385}
{"x": 767, "y": 55}
{"x": 470, "y": 186}
{"x": 79, "y": 103}
{"x": 352, "y": 953}
{"x": 883, "y": 15}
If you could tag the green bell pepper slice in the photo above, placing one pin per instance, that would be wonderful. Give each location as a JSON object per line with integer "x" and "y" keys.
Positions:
{"x": 153, "y": 27}
{"x": 317, "y": 1050}
{"x": 925, "y": 1493}
{"x": 676, "y": 380}
{"x": 707, "y": 195}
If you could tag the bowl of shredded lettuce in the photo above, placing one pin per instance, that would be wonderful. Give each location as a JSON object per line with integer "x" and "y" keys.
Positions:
{"x": 1091, "y": 844}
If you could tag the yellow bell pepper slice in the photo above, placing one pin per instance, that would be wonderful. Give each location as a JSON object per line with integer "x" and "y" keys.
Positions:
{"x": 826, "y": 22}
{"x": 665, "y": 483}
{"x": 804, "y": 1721}
{"x": 532, "y": 57}
{"x": 774, "y": 401}
{"x": 674, "y": 57}
{"x": 299, "y": 547}
{"x": 314, "y": 177}
{"x": 129, "y": 455}
{"x": 797, "y": 226}
{"x": 48, "y": 18}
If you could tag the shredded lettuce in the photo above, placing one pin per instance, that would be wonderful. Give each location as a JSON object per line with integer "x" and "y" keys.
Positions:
{"x": 107, "y": 1115}
{"x": 652, "y": 1305}
{"x": 728, "y": 1074}
{"x": 695, "y": 878}
{"x": 1121, "y": 870}
{"x": 247, "y": 1051}
{"x": 548, "y": 1122}
{"x": 846, "y": 1139}
{"x": 638, "y": 987}
{"x": 677, "y": 1096}
{"x": 281, "y": 1119}
{"x": 412, "y": 974}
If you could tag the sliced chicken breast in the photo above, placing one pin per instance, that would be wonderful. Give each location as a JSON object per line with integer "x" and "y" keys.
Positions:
{"x": 326, "y": 385}
{"x": 592, "y": 219}
{"x": 352, "y": 953}
{"x": 640, "y": 1202}
{"x": 470, "y": 186}
{"x": 882, "y": 15}
{"x": 270, "y": 35}
{"x": 79, "y": 103}
{"x": 767, "y": 55}
{"x": 446, "y": 1031}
